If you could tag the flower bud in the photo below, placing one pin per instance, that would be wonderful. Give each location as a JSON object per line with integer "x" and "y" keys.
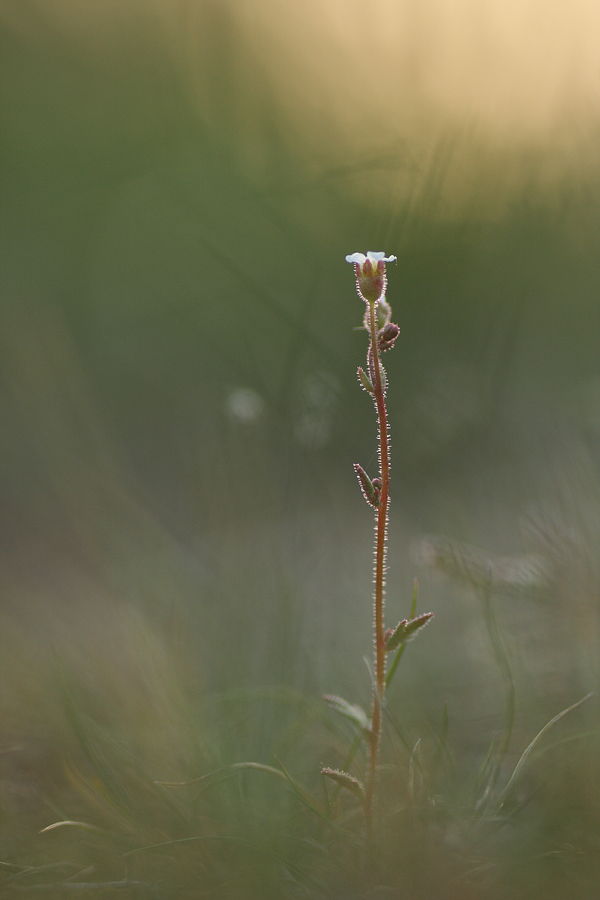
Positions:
{"x": 384, "y": 313}
{"x": 387, "y": 336}
{"x": 371, "y": 489}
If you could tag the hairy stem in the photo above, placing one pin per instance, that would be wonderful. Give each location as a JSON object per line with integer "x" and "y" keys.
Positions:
{"x": 379, "y": 574}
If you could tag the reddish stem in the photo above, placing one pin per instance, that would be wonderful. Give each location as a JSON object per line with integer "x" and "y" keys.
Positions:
{"x": 379, "y": 574}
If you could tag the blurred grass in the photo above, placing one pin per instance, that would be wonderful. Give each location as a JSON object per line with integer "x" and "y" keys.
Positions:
{"x": 184, "y": 557}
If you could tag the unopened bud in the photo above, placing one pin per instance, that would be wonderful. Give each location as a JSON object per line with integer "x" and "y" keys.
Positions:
{"x": 384, "y": 313}
{"x": 371, "y": 489}
{"x": 387, "y": 336}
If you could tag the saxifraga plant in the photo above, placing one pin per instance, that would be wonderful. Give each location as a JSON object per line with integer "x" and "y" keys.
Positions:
{"x": 371, "y": 283}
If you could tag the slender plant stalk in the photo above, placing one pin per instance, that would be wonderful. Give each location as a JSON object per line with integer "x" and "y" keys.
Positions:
{"x": 371, "y": 283}
{"x": 380, "y": 552}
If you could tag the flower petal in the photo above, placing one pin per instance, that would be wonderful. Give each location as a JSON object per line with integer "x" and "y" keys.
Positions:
{"x": 377, "y": 256}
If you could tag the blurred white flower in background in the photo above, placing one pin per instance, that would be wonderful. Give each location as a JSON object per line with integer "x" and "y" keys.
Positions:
{"x": 245, "y": 405}
{"x": 318, "y": 396}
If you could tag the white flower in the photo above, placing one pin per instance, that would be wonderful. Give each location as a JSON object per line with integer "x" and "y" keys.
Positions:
{"x": 371, "y": 278}
{"x": 360, "y": 258}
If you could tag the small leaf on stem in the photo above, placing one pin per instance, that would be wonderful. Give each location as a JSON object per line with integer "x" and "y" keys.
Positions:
{"x": 344, "y": 780}
{"x": 405, "y": 631}
{"x": 365, "y": 381}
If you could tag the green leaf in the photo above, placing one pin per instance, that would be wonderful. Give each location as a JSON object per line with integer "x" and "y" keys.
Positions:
{"x": 365, "y": 381}
{"x": 351, "y": 711}
{"x": 527, "y": 752}
{"x": 405, "y": 631}
{"x": 398, "y": 657}
{"x": 349, "y": 782}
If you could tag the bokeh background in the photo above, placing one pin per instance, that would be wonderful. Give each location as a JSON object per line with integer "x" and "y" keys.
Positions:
{"x": 181, "y": 529}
